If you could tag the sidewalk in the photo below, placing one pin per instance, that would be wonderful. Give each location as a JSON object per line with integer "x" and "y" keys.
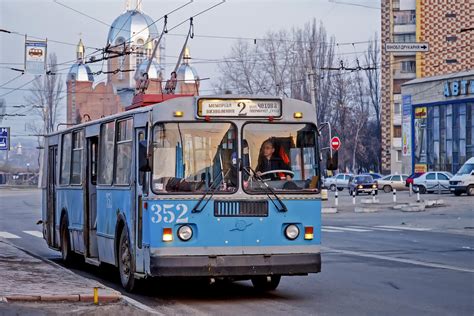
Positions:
{"x": 34, "y": 286}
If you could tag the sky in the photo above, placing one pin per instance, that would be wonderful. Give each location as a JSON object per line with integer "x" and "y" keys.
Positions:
{"x": 234, "y": 18}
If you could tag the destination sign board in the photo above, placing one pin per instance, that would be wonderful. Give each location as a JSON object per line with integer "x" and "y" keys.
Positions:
{"x": 239, "y": 108}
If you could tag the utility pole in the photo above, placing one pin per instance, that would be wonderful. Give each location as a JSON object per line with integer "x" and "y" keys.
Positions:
{"x": 312, "y": 91}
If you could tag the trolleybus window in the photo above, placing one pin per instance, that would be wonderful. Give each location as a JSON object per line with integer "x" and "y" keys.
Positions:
{"x": 65, "y": 159}
{"x": 192, "y": 157}
{"x": 77, "y": 146}
{"x": 283, "y": 155}
{"x": 124, "y": 152}
{"x": 106, "y": 153}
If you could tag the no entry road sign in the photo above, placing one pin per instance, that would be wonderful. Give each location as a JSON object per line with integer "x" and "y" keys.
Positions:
{"x": 335, "y": 143}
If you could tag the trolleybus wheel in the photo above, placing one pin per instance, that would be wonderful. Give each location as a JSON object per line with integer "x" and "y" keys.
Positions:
{"x": 266, "y": 283}
{"x": 66, "y": 253}
{"x": 125, "y": 262}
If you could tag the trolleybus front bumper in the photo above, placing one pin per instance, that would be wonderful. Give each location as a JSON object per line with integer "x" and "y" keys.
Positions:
{"x": 235, "y": 265}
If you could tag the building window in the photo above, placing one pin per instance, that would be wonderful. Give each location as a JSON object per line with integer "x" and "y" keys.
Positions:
{"x": 404, "y": 38}
{"x": 452, "y": 38}
{"x": 106, "y": 153}
{"x": 77, "y": 146}
{"x": 397, "y": 131}
{"x": 397, "y": 108}
{"x": 451, "y": 61}
{"x": 408, "y": 66}
{"x": 65, "y": 159}
{"x": 450, "y": 15}
{"x": 140, "y": 55}
{"x": 404, "y": 17}
{"x": 124, "y": 152}
{"x": 399, "y": 156}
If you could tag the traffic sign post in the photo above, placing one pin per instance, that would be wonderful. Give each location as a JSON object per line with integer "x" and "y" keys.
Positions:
{"x": 407, "y": 47}
{"x": 5, "y": 138}
{"x": 335, "y": 143}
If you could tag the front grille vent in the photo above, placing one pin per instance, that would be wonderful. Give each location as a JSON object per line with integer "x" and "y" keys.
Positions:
{"x": 242, "y": 208}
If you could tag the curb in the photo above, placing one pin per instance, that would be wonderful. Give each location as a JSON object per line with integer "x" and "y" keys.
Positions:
{"x": 61, "y": 298}
{"x": 329, "y": 210}
{"x": 358, "y": 209}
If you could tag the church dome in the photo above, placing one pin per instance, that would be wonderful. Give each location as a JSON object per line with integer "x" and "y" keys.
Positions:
{"x": 80, "y": 72}
{"x": 186, "y": 74}
{"x": 128, "y": 27}
{"x": 153, "y": 73}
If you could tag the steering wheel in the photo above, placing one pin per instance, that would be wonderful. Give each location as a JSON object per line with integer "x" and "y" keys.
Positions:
{"x": 291, "y": 173}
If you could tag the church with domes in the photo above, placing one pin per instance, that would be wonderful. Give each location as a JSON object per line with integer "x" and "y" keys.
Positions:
{"x": 129, "y": 50}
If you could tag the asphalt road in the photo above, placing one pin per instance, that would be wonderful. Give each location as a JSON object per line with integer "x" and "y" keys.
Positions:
{"x": 397, "y": 269}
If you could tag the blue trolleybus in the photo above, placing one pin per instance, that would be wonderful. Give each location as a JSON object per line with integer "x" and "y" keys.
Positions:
{"x": 207, "y": 187}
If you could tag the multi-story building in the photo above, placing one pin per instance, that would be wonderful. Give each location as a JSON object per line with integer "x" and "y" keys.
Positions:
{"x": 444, "y": 25}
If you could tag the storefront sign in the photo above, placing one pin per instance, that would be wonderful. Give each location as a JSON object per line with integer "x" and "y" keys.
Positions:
{"x": 4, "y": 138}
{"x": 421, "y": 168}
{"x": 421, "y": 113}
{"x": 239, "y": 108}
{"x": 458, "y": 87}
{"x": 406, "y": 125}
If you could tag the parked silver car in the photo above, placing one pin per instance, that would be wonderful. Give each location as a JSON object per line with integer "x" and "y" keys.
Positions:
{"x": 393, "y": 181}
{"x": 433, "y": 181}
{"x": 340, "y": 182}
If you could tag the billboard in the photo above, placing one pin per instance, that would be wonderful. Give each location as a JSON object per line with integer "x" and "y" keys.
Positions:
{"x": 4, "y": 138}
{"x": 35, "y": 57}
{"x": 406, "y": 125}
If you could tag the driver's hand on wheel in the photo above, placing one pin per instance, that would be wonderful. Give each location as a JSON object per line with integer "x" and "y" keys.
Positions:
{"x": 288, "y": 177}
{"x": 259, "y": 173}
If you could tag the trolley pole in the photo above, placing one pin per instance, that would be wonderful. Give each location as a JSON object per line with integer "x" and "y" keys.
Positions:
{"x": 312, "y": 91}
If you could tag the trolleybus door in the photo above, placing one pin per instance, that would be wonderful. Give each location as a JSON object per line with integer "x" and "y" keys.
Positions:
{"x": 51, "y": 201}
{"x": 91, "y": 197}
{"x": 140, "y": 189}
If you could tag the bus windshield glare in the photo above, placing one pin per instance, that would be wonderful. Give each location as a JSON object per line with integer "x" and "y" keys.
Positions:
{"x": 193, "y": 157}
{"x": 282, "y": 155}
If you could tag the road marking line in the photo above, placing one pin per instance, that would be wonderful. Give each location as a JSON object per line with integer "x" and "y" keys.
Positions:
{"x": 408, "y": 261}
{"x": 34, "y": 233}
{"x": 375, "y": 228}
{"x": 347, "y": 229}
{"x": 330, "y": 230}
{"x": 420, "y": 229}
{"x": 8, "y": 235}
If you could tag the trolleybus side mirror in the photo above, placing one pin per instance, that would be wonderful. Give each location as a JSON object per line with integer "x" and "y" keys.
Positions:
{"x": 332, "y": 162}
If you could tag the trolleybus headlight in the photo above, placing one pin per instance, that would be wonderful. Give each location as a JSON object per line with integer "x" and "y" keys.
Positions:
{"x": 185, "y": 233}
{"x": 292, "y": 232}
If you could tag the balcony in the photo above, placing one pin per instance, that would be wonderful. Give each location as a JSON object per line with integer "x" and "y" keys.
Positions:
{"x": 397, "y": 142}
{"x": 404, "y": 28}
{"x": 399, "y": 74}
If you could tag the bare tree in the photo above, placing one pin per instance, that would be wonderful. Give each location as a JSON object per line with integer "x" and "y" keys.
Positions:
{"x": 45, "y": 96}
{"x": 372, "y": 58}
{"x": 44, "y": 99}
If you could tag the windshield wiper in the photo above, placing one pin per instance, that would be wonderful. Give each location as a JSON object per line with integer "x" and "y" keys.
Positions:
{"x": 267, "y": 189}
{"x": 212, "y": 189}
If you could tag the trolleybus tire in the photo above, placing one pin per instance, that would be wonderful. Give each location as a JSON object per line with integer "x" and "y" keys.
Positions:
{"x": 266, "y": 283}
{"x": 125, "y": 262}
{"x": 387, "y": 188}
{"x": 66, "y": 253}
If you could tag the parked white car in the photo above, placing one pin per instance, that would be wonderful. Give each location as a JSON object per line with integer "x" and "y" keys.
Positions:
{"x": 340, "y": 182}
{"x": 393, "y": 181}
{"x": 463, "y": 180}
{"x": 433, "y": 181}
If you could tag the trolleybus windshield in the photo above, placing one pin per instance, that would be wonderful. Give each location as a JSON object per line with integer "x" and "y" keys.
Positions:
{"x": 283, "y": 155}
{"x": 190, "y": 157}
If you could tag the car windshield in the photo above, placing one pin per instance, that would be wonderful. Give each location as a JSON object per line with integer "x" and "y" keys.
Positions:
{"x": 283, "y": 155}
{"x": 466, "y": 169}
{"x": 191, "y": 157}
{"x": 363, "y": 179}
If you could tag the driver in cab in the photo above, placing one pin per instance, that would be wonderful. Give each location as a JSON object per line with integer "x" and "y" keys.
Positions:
{"x": 269, "y": 160}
